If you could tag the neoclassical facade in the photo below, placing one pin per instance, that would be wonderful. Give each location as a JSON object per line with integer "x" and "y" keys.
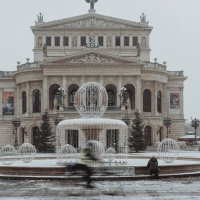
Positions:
{"x": 90, "y": 47}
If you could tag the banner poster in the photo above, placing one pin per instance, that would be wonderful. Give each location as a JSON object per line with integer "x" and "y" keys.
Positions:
{"x": 8, "y": 103}
{"x": 174, "y": 100}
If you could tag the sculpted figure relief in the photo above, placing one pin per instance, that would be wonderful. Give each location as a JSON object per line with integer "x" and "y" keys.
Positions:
{"x": 45, "y": 49}
{"x": 138, "y": 50}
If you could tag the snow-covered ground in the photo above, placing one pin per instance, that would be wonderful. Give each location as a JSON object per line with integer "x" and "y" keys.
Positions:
{"x": 172, "y": 189}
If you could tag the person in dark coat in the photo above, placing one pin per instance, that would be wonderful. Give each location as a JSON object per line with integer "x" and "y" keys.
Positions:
{"x": 152, "y": 166}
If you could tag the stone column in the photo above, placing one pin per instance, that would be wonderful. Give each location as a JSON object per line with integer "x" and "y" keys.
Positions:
{"x": 45, "y": 99}
{"x": 181, "y": 103}
{"x": 104, "y": 41}
{"x": 43, "y": 39}
{"x": 28, "y": 98}
{"x": 119, "y": 87}
{"x": 18, "y": 110}
{"x": 87, "y": 39}
{"x": 1, "y": 103}
{"x": 53, "y": 40}
{"x": 64, "y": 83}
{"x": 113, "y": 41}
{"x": 138, "y": 95}
{"x": 35, "y": 41}
{"x": 122, "y": 40}
{"x": 61, "y": 41}
{"x": 78, "y": 41}
{"x": 70, "y": 41}
{"x": 130, "y": 41}
{"x": 165, "y": 101}
{"x": 154, "y": 99}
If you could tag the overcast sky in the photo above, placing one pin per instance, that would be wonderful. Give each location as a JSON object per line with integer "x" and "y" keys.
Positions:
{"x": 175, "y": 37}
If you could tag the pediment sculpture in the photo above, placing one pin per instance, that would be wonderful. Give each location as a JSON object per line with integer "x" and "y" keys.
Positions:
{"x": 91, "y": 58}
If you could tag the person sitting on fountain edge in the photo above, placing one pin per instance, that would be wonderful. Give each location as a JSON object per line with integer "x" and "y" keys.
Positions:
{"x": 152, "y": 166}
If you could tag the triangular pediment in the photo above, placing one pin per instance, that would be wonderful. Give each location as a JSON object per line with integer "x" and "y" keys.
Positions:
{"x": 91, "y": 58}
{"x": 92, "y": 20}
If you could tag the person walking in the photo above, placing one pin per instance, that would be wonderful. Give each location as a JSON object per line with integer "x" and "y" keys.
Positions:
{"x": 152, "y": 166}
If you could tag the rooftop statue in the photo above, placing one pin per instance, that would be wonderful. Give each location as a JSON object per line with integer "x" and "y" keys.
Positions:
{"x": 143, "y": 18}
{"x": 92, "y": 2}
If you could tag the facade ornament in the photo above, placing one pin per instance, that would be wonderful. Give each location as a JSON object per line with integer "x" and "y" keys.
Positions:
{"x": 143, "y": 18}
{"x": 128, "y": 105}
{"x": 55, "y": 104}
{"x": 40, "y": 18}
{"x": 138, "y": 50}
{"x": 91, "y": 58}
{"x": 92, "y": 43}
{"x": 45, "y": 50}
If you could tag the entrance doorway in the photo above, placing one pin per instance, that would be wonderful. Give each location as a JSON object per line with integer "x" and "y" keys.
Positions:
{"x": 148, "y": 136}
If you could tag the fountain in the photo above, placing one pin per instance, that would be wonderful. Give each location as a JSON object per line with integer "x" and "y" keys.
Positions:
{"x": 91, "y": 102}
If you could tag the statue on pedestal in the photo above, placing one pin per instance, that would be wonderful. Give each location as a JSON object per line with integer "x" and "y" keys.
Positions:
{"x": 45, "y": 49}
{"x": 92, "y": 2}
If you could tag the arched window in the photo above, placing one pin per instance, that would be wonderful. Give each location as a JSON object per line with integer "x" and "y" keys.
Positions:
{"x": 36, "y": 101}
{"x": 23, "y": 102}
{"x": 148, "y": 136}
{"x": 35, "y": 136}
{"x": 54, "y": 93}
{"x": 147, "y": 100}
{"x": 159, "y": 101}
{"x": 111, "y": 97}
{"x": 71, "y": 94}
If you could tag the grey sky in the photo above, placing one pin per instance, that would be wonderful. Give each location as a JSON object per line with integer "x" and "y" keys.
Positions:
{"x": 175, "y": 37}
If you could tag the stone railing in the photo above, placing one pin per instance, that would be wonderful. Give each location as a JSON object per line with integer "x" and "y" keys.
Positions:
{"x": 176, "y": 73}
{"x": 6, "y": 74}
{"x": 158, "y": 66}
{"x": 27, "y": 66}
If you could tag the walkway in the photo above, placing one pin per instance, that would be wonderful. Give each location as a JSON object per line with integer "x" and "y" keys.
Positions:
{"x": 171, "y": 189}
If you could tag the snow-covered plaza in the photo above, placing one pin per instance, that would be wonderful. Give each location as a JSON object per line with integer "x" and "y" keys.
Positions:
{"x": 173, "y": 189}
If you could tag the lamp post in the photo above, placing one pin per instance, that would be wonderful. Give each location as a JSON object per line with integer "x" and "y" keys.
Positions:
{"x": 167, "y": 121}
{"x": 16, "y": 122}
{"x": 195, "y": 124}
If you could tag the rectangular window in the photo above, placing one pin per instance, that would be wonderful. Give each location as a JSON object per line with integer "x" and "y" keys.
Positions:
{"x": 83, "y": 41}
{"x": 117, "y": 41}
{"x": 126, "y": 41}
{"x": 48, "y": 40}
{"x": 100, "y": 40}
{"x": 57, "y": 41}
{"x": 65, "y": 41}
{"x": 135, "y": 41}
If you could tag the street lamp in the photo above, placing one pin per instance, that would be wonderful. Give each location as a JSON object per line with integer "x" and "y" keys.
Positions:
{"x": 167, "y": 121}
{"x": 195, "y": 124}
{"x": 16, "y": 122}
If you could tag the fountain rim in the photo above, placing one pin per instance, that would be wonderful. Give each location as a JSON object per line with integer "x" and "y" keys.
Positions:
{"x": 92, "y": 121}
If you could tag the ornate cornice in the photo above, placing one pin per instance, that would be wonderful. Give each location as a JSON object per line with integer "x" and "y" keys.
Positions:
{"x": 92, "y": 20}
